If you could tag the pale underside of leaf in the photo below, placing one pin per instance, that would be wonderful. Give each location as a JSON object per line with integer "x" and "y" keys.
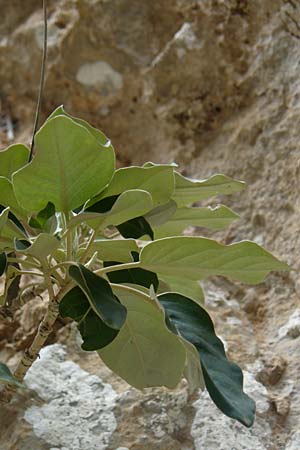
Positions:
{"x": 196, "y": 258}
{"x": 188, "y": 191}
{"x": 43, "y": 245}
{"x": 215, "y": 219}
{"x": 145, "y": 353}
{"x": 115, "y": 249}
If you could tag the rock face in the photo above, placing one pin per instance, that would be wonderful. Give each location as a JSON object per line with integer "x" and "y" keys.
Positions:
{"x": 213, "y": 85}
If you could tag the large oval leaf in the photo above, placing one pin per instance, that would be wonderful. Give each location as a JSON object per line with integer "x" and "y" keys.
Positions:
{"x": 56, "y": 173}
{"x": 188, "y": 190}
{"x": 100, "y": 296}
{"x": 12, "y": 159}
{"x": 223, "y": 379}
{"x": 145, "y": 353}
{"x": 94, "y": 332}
{"x": 196, "y": 258}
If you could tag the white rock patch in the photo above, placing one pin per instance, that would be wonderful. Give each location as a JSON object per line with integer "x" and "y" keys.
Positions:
{"x": 100, "y": 73}
{"x": 78, "y": 410}
{"x": 292, "y": 327}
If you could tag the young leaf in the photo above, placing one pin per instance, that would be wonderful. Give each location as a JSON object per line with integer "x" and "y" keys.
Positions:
{"x": 145, "y": 353}
{"x": 6, "y": 376}
{"x": 215, "y": 219}
{"x": 12, "y": 159}
{"x": 113, "y": 249}
{"x": 43, "y": 245}
{"x": 128, "y": 205}
{"x": 157, "y": 180}
{"x": 133, "y": 276}
{"x": 161, "y": 214}
{"x": 100, "y": 295}
{"x": 188, "y": 191}
{"x": 8, "y": 230}
{"x": 136, "y": 228}
{"x": 55, "y": 175}
{"x": 3, "y": 263}
{"x": 193, "y": 370}
{"x": 223, "y": 379}
{"x": 191, "y": 289}
{"x": 45, "y": 220}
{"x": 195, "y": 258}
{"x": 94, "y": 332}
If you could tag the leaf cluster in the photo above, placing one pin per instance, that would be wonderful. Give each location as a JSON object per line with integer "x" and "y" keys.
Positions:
{"x": 112, "y": 239}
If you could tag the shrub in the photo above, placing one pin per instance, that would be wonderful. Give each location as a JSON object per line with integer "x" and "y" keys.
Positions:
{"x": 104, "y": 243}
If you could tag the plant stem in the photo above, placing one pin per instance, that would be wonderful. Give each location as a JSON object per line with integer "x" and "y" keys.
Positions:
{"x": 31, "y": 354}
{"x": 126, "y": 266}
{"x": 42, "y": 80}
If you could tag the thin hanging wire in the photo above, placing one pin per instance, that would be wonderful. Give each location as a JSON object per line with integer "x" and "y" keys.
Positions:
{"x": 42, "y": 80}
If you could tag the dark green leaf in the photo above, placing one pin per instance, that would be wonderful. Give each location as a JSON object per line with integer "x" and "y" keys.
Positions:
{"x": 135, "y": 276}
{"x": 100, "y": 295}
{"x": 6, "y": 376}
{"x": 94, "y": 332}
{"x": 223, "y": 379}
{"x": 136, "y": 228}
{"x": 3, "y": 263}
{"x": 103, "y": 206}
{"x": 22, "y": 244}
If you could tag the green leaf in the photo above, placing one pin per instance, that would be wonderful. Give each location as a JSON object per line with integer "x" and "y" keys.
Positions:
{"x": 157, "y": 180}
{"x": 6, "y": 376}
{"x": 223, "y": 379}
{"x": 136, "y": 228}
{"x": 188, "y": 190}
{"x": 94, "y": 332}
{"x": 8, "y": 198}
{"x": 3, "y": 263}
{"x": 8, "y": 230}
{"x": 191, "y": 289}
{"x": 45, "y": 220}
{"x": 97, "y": 134}
{"x": 195, "y": 258}
{"x": 215, "y": 219}
{"x": 115, "y": 249}
{"x": 42, "y": 246}
{"x": 133, "y": 276}
{"x": 129, "y": 204}
{"x": 12, "y": 159}
{"x": 100, "y": 295}
{"x": 161, "y": 214}
{"x": 193, "y": 371}
{"x": 145, "y": 353}
{"x": 56, "y": 174}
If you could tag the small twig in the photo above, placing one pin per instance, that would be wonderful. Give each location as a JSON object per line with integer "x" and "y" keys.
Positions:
{"x": 42, "y": 80}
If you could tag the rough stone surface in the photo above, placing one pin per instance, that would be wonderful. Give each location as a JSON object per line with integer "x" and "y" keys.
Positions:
{"x": 77, "y": 409}
{"x": 214, "y": 85}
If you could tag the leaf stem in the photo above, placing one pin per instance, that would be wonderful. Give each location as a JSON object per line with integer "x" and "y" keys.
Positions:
{"x": 126, "y": 266}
